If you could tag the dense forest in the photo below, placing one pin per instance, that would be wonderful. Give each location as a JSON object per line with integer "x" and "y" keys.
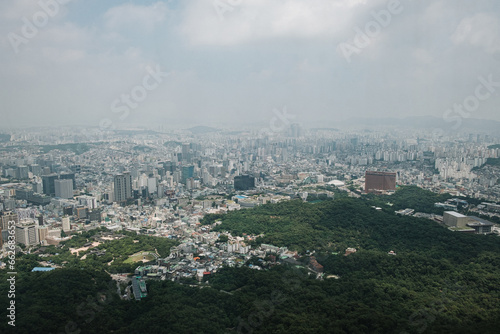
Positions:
{"x": 114, "y": 260}
{"x": 438, "y": 282}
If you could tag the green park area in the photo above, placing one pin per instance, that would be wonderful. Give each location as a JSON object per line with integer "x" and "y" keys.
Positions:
{"x": 440, "y": 281}
{"x": 140, "y": 256}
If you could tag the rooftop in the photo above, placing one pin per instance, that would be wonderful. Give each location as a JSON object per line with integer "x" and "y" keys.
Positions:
{"x": 455, "y": 214}
{"x": 480, "y": 221}
{"x": 42, "y": 269}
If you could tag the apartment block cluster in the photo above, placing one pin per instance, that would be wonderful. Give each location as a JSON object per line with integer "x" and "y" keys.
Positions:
{"x": 160, "y": 183}
{"x": 202, "y": 255}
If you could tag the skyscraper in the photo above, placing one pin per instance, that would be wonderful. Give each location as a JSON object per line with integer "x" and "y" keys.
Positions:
{"x": 36, "y": 169}
{"x": 152, "y": 185}
{"x": 186, "y": 156}
{"x": 22, "y": 172}
{"x": 48, "y": 184}
{"x": 295, "y": 130}
{"x": 64, "y": 188}
{"x": 244, "y": 182}
{"x": 187, "y": 172}
{"x": 68, "y": 176}
{"x": 123, "y": 187}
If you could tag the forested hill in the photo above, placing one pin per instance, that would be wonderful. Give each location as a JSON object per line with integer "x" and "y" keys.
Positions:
{"x": 347, "y": 222}
{"x": 439, "y": 281}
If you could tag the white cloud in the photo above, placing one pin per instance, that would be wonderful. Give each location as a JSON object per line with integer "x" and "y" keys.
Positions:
{"x": 137, "y": 17}
{"x": 69, "y": 72}
{"x": 15, "y": 9}
{"x": 65, "y": 55}
{"x": 220, "y": 23}
{"x": 423, "y": 56}
{"x": 481, "y": 30}
{"x": 276, "y": 52}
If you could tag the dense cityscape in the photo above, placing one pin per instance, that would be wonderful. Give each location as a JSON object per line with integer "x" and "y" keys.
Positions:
{"x": 227, "y": 166}
{"x": 55, "y": 186}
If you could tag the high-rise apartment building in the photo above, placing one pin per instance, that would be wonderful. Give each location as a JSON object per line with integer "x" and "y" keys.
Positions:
{"x": 26, "y": 234}
{"x": 123, "y": 187}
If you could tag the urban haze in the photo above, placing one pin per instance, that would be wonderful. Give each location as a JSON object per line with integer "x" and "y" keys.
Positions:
{"x": 250, "y": 166}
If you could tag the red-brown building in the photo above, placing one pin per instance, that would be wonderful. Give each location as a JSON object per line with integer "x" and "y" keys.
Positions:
{"x": 315, "y": 265}
{"x": 379, "y": 181}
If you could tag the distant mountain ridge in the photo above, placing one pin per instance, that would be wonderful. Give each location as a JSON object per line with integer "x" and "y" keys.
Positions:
{"x": 202, "y": 129}
{"x": 424, "y": 122}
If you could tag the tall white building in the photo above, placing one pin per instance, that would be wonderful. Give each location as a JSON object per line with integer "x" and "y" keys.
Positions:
{"x": 65, "y": 224}
{"x": 152, "y": 185}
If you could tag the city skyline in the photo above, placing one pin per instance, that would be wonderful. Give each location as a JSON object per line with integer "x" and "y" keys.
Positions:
{"x": 258, "y": 166}
{"x": 151, "y": 212}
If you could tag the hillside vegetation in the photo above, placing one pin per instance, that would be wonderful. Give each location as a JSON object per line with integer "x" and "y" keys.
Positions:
{"x": 439, "y": 281}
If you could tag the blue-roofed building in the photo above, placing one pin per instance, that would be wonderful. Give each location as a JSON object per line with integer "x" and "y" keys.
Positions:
{"x": 42, "y": 269}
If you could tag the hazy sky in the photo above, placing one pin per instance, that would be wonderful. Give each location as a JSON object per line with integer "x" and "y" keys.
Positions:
{"x": 165, "y": 62}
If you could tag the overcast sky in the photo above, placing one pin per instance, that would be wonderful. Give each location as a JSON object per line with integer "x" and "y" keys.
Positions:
{"x": 167, "y": 62}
